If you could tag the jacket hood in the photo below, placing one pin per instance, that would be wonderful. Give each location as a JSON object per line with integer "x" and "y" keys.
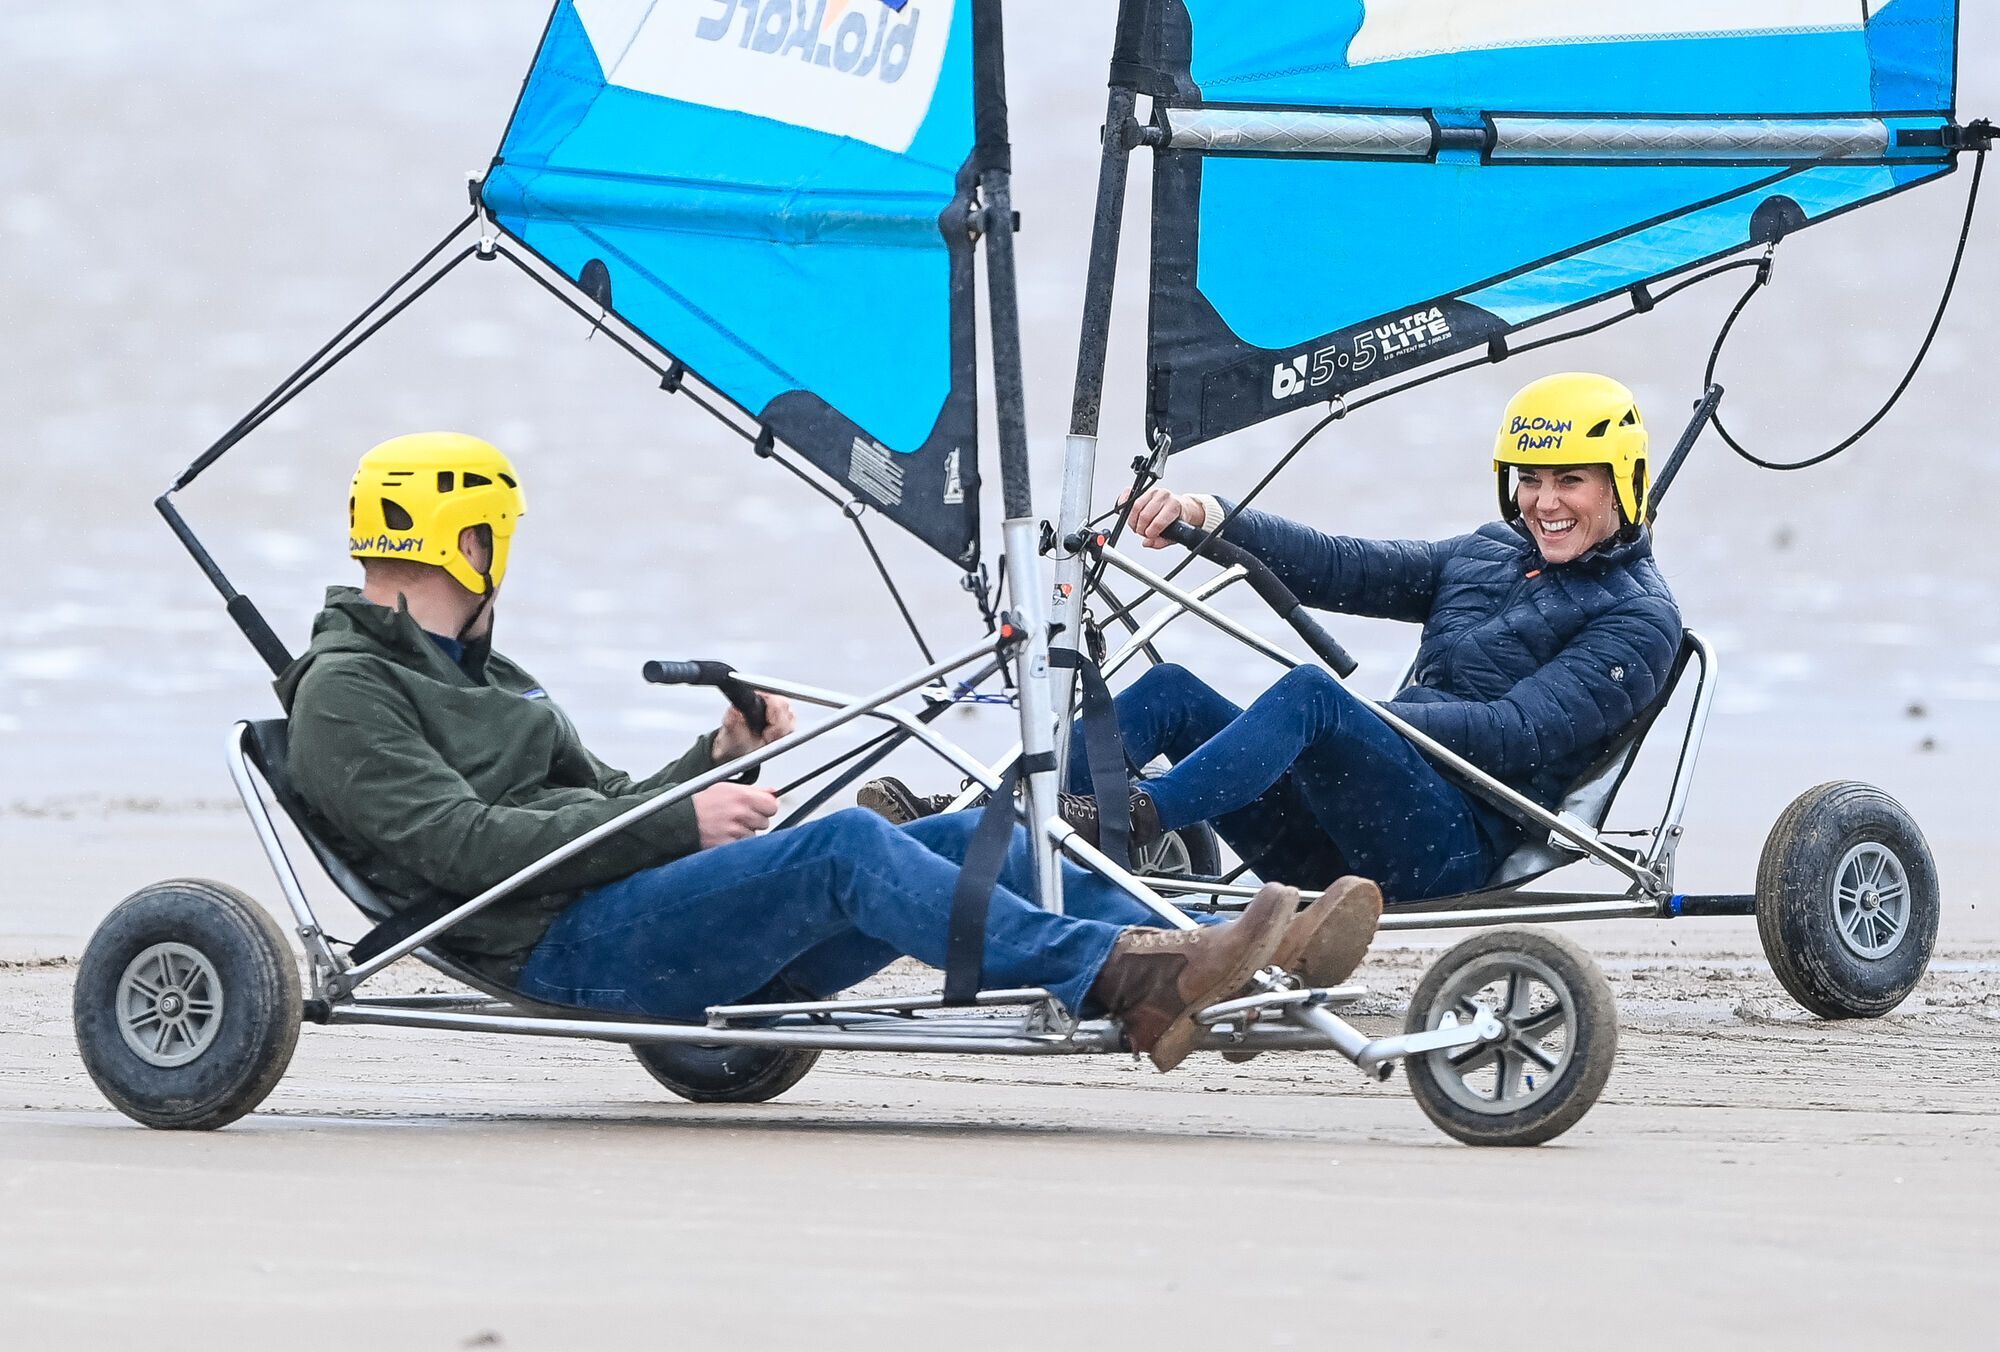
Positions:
{"x": 352, "y": 624}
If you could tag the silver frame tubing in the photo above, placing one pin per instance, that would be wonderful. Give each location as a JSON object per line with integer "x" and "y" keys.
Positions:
{"x": 846, "y": 713}
{"x": 1557, "y": 824}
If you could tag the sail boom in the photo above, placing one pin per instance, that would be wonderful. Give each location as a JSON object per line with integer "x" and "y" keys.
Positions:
{"x": 1504, "y": 138}
{"x": 1651, "y": 140}
{"x": 1262, "y": 131}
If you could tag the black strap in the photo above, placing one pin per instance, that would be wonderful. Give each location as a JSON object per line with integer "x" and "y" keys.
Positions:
{"x": 399, "y": 927}
{"x": 1104, "y": 748}
{"x": 985, "y": 856}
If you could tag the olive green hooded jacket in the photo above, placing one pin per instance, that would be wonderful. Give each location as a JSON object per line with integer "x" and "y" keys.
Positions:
{"x": 435, "y": 780}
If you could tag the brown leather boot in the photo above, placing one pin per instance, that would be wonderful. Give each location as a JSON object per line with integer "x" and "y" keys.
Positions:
{"x": 1327, "y": 941}
{"x": 1157, "y": 980}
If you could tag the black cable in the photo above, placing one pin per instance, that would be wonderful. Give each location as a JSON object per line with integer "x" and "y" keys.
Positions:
{"x": 673, "y": 377}
{"x": 1923, "y": 351}
{"x": 675, "y": 373}
{"x": 284, "y": 391}
{"x": 895, "y": 592}
{"x": 1342, "y": 409}
{"x": 272, "y": 407}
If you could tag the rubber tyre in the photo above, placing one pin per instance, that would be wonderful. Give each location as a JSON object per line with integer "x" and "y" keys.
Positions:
{"x": 1593, "y": 1047}
{"x": 1199, "y": 844}
{"x": 701, "y": 1073}
{"x": 258, "y": 1025}
{"x": 1796, "y": 880}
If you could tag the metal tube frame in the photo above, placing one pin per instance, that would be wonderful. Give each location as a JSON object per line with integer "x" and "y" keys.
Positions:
{"x": 1651, "y": 895}
{"x": 1517, "y": 804}
{"x": 897, "y": 1024}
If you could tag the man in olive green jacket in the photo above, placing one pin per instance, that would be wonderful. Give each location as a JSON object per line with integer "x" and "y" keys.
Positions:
{"x": 438, "y": 769}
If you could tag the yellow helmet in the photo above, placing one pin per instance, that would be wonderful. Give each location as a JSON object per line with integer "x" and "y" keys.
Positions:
{"x": 1576, "y": 419}
{"x": 414, "y": 494}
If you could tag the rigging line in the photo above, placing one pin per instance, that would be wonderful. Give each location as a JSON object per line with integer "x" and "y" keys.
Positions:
{"x": 273, "y": 408}
{"x": 877, "y": 750}
{"x": 1916, "y": 363}
{"x": 892, "y": 735}
{"x": 1144, "y": 476}
{"x": 895, "y": 592}
{"x": 849, "y": 507}
{"x": 283, "y": 392}
{"x": 663, "y": 372}
{"x": 1341, "y": 410}
{"x": 770, "y": 453}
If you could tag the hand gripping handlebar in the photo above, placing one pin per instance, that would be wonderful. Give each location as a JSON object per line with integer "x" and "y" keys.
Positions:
{"x": 718, "y": 674}
{"x": 1267, "y": 585}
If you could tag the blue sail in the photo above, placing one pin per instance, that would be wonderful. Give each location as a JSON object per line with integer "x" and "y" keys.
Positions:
{"x": 775, "y": 194}
{"x": 1349, "y": 189}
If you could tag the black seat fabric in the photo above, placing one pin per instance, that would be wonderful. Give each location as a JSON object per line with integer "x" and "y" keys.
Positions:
{"x": 1589, "y": 800}
{"x": 267, "y": 747}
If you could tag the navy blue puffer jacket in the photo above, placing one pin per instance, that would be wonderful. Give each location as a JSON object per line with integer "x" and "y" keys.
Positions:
{"x": 1528, "y": 670}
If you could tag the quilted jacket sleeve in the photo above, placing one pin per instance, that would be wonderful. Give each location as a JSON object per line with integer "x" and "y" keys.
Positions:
{"x": 1600, "y": 681}
{"x": 1387, "y": 579}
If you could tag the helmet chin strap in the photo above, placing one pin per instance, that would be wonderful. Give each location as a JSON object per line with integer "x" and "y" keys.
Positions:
{"x": 485, "y": 605}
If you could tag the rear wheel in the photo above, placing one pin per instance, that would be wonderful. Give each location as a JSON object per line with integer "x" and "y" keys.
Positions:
{"x": 1191, "y": 852}
{"x": 187, "y": 1005}
{"x": 1561, "y": 1038}
{"x": 1847, "y": 901}
{"x": 705, "y": 1073}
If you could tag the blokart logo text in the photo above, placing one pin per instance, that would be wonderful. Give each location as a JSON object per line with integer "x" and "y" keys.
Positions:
{"x": 862, "y": 38}
{"x": 1392, "y": 341}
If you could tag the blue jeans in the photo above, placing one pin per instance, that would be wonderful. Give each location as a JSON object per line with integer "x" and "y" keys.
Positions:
{"x": 815, "y": 909}
{"x": 1305, "y": 785}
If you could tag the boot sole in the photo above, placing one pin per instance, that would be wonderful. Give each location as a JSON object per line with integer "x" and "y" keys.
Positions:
{"x": 1274, "y": 905}
{"x": 1337, "y": 939}
{"x": 899, "y": 808}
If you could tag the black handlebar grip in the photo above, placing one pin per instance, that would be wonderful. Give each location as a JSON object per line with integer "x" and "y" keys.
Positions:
{"x": 673, "y": 673}
{"x": 718, "y": 674}
{"x": 1325, "y": 644}
{"x": 1272, "y": 588}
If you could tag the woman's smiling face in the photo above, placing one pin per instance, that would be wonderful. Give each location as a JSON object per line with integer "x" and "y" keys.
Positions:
{"x": 1569, "y": 509}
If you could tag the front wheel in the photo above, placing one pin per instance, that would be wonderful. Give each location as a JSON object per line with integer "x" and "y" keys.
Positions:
{"x": 1561, "y": 1039}
{"x": 187, "y": 1005}
{"x": 706, "y": 1073}
{"x": 1847, "y": 901}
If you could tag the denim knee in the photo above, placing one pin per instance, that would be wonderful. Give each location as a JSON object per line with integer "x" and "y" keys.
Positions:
{"x": 1165, "y": 678}
{"x": 1315, "y": 688}
{"x": 852, "y": 829}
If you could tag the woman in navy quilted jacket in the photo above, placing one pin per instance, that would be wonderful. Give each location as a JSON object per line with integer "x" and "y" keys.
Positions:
{"x": 1545, "y": 635}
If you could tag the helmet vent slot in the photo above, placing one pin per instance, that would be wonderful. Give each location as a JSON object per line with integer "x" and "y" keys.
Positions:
{"x": 1631, "y": 418}
{"x": 444, "y": 481}
{"x": 471, "y": 480}
{"x": 508, "y": 479}
{"x": 1600, "y": 430}
{"x": 394, "y": 517}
